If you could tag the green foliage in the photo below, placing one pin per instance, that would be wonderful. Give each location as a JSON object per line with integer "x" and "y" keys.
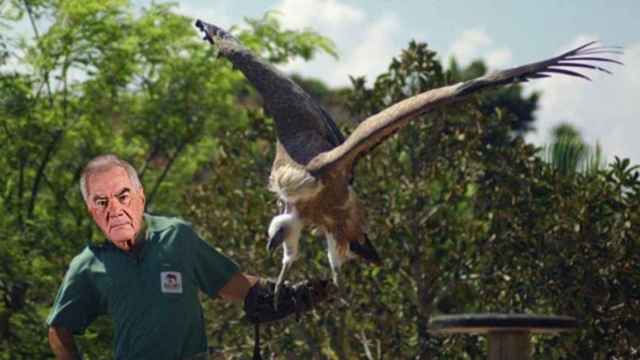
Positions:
{"x": 568, "y": 153}
{"x": 279, "y": 46}
{"x": 465, "y": 215}
{"x": 517, "y": 108}
{"x": 467, "y": 218}
{"x": 102, "y": 79}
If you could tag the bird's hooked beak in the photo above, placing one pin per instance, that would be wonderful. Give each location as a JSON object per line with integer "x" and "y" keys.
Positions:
{"x": 208, "y": 30}
{"x": 203, "y": 26}
{"x": 213, "y": 33}
{"x": 277, "y": 239}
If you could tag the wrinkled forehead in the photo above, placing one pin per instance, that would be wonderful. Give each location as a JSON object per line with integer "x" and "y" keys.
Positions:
{"x": 108, "y": 181}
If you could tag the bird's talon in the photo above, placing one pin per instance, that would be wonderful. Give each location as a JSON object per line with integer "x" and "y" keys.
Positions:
{"x": 276, "y": 294}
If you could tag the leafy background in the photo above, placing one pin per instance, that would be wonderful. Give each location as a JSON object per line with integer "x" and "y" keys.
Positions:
{"x": 467, "y": 216}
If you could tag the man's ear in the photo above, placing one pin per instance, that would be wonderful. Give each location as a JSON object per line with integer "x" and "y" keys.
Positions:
{"x": 86, "y": 203}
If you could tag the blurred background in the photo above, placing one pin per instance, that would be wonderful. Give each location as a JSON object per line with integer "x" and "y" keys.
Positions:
{"x": 523, "y": 199}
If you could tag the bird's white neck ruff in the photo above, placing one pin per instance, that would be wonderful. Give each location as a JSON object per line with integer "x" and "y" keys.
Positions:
{"x": 293, "y": 183}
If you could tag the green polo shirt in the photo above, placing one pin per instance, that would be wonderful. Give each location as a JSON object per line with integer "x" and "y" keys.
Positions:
{"x": 152, "y": 296}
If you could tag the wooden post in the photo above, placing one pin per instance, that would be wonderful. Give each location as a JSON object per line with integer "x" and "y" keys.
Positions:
{"x": 509, "y": 345}
{"x": 508, "y": 334}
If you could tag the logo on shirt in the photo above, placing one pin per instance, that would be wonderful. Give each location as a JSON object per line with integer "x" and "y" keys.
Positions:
{"x": 171, "y": 282}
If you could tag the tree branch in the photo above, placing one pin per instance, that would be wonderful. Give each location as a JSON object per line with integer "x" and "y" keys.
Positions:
{"x": 313, "y": 345}
{"x": 152, "y": 195}
{"x": 32, "y": 20}
{"x": 23, "y": 163}
{"x": 145, "y": 165}
{"x": 61, "y": 197}
{"x": 365, "y": 343}
{"x": 65, "y": 93}
{"x": 57, "y": 136}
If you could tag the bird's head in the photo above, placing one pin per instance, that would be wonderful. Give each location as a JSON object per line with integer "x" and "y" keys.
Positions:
{"x": 214, "y": 34}
{"x": 284, "y": 228}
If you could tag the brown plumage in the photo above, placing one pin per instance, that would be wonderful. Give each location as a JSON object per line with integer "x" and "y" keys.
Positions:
{"x": 312, "y": 171}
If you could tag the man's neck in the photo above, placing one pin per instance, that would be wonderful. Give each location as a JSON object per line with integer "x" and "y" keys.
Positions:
{"x": 141, "y": 238}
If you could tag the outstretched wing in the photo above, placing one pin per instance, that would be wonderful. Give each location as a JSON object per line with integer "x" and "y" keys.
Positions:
{"x": 304, "y": 128}
{"x": 376, "y": 128}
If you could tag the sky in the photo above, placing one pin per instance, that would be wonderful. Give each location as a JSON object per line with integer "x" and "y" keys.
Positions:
{"x": 503, "y": 33}
{"x": 368, "y": 34}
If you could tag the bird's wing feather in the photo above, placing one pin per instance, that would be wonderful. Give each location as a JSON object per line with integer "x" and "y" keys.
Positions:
{"x": 304, "y": 128}
{"x": 378, "y": 127}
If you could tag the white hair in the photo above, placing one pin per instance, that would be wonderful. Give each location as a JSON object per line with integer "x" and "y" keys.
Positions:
{"x": 104, "y": 163}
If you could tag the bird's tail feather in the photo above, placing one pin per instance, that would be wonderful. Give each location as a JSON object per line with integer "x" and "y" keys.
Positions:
{"x": 365, "y": 250}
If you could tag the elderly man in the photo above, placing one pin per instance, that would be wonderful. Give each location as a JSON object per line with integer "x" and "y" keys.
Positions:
{"x": 148, "y": 274}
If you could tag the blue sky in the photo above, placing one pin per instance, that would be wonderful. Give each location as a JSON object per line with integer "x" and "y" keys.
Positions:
{"x": 503, "y": 33}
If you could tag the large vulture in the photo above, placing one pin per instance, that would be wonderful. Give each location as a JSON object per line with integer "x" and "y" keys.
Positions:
{"x": 313, "y": 167}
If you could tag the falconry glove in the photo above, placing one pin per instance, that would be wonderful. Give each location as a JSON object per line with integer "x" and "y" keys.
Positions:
{"x": 260, "y": 305}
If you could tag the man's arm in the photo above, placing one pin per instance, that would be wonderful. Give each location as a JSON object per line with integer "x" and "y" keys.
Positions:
{"x": 212, "y": 269}
{"x": 62, "y": 343}
{"x": 258, "y": 296}
{"x": 237, "y": 288}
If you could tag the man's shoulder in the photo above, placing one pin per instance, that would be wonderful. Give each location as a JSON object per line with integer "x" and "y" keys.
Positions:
{"x": 85, "y": 258}
{"x": 160, "y": 223}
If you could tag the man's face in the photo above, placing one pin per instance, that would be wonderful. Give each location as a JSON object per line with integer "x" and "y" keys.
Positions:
{"x": 116, "y": 206}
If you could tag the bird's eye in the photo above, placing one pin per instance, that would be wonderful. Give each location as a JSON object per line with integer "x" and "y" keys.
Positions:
{"x": 124, "y": 198}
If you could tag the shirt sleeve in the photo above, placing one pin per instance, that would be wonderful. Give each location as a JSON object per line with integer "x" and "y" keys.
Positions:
{"x": 77, "y": 303}
{"x": 212, "y": 270}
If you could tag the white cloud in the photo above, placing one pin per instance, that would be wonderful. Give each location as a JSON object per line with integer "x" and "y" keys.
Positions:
{"x": 499, "y": 58}
{"x": 372, "y": 53}
{"x": 467, "y": 46}
{"x": 473, "y": 44}
{"x": 365, "y": 45}
{"x": 331, "y": 14}
{"x": 216, "y": 10}
{"x": 606, "y": 110}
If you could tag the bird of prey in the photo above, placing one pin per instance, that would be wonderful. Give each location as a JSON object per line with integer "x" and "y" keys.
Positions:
{"x": 313, "y": 167}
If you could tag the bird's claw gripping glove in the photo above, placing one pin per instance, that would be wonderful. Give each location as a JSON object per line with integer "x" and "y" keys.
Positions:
{"x": 259, "y": 305}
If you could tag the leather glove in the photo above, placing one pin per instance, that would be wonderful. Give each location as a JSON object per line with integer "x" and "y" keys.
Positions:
{"x": 259, "y": 305}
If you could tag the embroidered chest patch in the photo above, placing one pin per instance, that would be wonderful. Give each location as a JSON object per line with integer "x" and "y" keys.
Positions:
{"x": 171, "y": 282}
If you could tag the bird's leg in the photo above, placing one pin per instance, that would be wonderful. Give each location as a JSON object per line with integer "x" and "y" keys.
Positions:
{"x": 334, "y": 277}
{"x": 335, "y": 262}
{"x": 276, "y": 291}
{"x": 284, "y": 230}
{"x": 339, "y": 291}
{"x": 335, "y": 259}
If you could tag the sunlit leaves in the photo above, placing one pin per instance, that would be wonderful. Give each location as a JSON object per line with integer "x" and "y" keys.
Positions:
{"x": 279, "y": 45}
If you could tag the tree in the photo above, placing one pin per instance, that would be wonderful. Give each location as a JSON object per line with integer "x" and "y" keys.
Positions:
{"x": 429, "y": 171}
{"x": 465, "y": 214}
{"x": 519, "y": 109}
{"x": 103, "y": 79}
{"x": 569, "y": 153}
{"x": 466, "y": 217}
